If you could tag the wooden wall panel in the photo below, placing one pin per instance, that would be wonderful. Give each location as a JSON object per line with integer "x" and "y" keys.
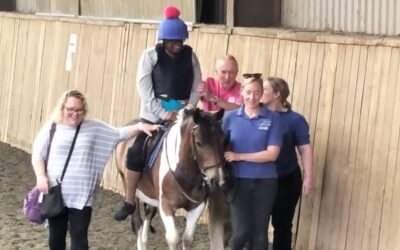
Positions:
{"x": 391, "y": 202}
{"x": 361, "y": 176}
{"x": 29, "y": 47}
{"x": 247, "y": 55}
{"x": 355, "y": 94}
{"x": 94, "y": 80}
{"x": 80, "y": 60}
{"x": 346, "y": 87}
{"x": 210, "y": 47}
{"x": 36, "y": 95}
{"x": 114, "y": 46}
{"x": 300, "y": 81}
{"x": 321, "y": 140}
{"x": 274, "y": 58}
{"x": 343, "y": 197}
{"x": 333, "y": 174}
{"x": 380, "y": 148}
{"x": 44, "y": 89}
{"x": 30, "y": 74}
{"x": 7, "y": 64}
{"x": 309, "y": 203}
{"x": 382, "y": 144}
{"x": 370, "y": 225}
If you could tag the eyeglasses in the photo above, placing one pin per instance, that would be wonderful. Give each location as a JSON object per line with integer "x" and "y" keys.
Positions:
{"x": 254, "y": 75}
{"x": 74, "y": 110}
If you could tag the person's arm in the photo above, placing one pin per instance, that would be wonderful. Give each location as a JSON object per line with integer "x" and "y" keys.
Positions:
{"x": 39, "y": 151}
{"x": 42, "y": 182}
{"x": 194, "y": 95}
{"x": 222, "y": 104}
{"x": 134, "y": 130}
{"x": 145, "y": 84}
{"x": 207, "y": 96}
{"x": 268, "y": 155}
{"x": 307, "y": 161}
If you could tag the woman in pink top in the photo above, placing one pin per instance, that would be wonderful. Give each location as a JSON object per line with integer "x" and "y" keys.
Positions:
{"x": 223, "y": 92}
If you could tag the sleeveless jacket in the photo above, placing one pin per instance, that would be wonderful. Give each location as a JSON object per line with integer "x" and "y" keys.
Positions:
{"x": 173, "y": 77}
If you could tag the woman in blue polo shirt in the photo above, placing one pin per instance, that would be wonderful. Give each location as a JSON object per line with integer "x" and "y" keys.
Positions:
{"x": 295, "y": 136}
{"x": 255, "y": 139}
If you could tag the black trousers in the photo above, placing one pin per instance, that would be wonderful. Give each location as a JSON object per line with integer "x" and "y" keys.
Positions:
{"x": 78, "y": 222}
{"x": 289, "y": 191}
{"x": 251, "y": 208}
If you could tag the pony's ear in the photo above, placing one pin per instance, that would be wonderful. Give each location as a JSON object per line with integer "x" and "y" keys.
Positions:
{"x": 185, "y": 111}
{"x": 197, "y": 115}
{"x": 219, "y": 115}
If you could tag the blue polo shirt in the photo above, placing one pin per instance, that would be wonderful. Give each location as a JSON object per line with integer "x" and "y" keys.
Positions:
{"x": 250, "y": 135}
{"x": 295, "y": 133}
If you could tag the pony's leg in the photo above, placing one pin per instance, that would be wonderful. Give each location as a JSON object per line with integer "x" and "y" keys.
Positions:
{"x": 216, "y": 232}
{"x": 139, "y": 242}
{"x": 218, "y": 215}
{"x": 144, "y": 234}
{"x": 191, "y": 221}
{"x": 171, "y": 233}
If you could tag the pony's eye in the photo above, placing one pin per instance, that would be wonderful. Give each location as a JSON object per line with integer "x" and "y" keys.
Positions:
{"x": 199, "y": 144}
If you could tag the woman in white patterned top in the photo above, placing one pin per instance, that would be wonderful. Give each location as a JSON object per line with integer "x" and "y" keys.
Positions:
{"x": 94, "y": 145}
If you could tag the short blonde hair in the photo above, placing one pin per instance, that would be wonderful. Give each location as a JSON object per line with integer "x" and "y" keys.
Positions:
{"x": 56, "y": 115}
{"x": 249, "y": 80}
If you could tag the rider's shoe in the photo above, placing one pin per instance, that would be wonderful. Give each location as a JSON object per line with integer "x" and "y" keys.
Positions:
{"x": 126, "y": 210}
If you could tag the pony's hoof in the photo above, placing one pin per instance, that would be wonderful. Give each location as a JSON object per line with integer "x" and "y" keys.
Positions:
{"x": 126, "y": 210}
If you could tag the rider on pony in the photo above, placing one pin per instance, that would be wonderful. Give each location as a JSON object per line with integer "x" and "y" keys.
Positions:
{"x": 167, "y": 79}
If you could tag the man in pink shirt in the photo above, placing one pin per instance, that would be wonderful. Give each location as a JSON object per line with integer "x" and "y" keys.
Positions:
{"x": 223, "y": 92}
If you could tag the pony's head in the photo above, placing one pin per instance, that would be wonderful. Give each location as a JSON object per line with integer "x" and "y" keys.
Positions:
{"x": 207, "y": 144}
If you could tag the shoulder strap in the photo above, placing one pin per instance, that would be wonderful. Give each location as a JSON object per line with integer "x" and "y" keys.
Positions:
{"x": 70, "y": 151}
{"x": 52, "y": 131}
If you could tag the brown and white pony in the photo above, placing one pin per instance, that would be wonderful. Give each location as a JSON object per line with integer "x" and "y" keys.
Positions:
{"x": 188, "y": 166}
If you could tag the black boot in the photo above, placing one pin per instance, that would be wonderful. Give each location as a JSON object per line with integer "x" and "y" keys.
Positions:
{"x": 126, "y": 210}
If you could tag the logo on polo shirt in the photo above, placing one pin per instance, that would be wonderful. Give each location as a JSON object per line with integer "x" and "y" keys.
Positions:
{"x": 264, "y": 124}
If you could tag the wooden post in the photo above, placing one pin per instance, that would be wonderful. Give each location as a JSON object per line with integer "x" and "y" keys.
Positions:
{"x": 230, "y": 13}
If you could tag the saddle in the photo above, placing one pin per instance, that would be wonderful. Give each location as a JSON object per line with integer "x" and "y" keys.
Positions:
{"x": 144, "y": 150}
{"x": 152, "y": 146}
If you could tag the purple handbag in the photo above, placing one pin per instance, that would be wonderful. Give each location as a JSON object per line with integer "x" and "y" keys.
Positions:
{"x": 31, "y": 206}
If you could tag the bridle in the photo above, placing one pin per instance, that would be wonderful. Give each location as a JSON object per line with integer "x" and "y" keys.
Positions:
{"x": 202, "y": 169}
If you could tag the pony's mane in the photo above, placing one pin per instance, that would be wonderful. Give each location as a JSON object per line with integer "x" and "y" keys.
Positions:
{"x": 185, "y": 115}
{"x": 180, "y": 115}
